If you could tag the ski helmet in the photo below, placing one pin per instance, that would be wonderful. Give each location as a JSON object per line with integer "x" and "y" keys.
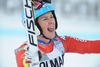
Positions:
{"x": 39, "y": 12}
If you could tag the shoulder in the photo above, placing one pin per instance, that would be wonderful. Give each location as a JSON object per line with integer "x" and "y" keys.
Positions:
{"x": 67, "y": 37}
{"x": 20, "y": 53}
{"x": 62, "y": 37}
{"x": 21, "y": 48}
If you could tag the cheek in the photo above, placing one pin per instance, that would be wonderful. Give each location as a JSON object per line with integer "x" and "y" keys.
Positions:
{"x": 43, "y": 25}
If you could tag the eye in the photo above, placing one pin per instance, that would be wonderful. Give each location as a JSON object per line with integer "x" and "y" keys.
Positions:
{"x": 44, "y": 18}
{"x": 51, "y": 16}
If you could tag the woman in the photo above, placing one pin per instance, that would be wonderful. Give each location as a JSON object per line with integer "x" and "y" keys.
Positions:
{"x": 51, "y": 46}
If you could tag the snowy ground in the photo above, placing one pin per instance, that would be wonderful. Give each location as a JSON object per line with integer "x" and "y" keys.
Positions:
{"x": 12, "y": 34}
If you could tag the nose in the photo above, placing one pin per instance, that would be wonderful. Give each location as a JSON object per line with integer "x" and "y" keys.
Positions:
{"x": 51, "y": 21}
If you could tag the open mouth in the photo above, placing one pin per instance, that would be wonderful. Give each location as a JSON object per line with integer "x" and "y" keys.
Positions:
{"x": 51, "y": 29}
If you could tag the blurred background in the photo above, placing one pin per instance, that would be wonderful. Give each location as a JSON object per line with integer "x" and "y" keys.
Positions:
{"x": 77, "y": 18}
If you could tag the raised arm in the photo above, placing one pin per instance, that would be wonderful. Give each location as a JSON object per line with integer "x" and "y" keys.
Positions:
{"x": 76, "y": 45}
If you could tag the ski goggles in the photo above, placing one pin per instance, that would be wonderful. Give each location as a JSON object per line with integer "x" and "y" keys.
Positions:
{"x": 47, "y": 1}
{"x": 38, "y": 0}
{"x": 37, "y": 3}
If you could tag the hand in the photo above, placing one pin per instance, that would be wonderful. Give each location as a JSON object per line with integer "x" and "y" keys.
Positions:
{"x": 32, "y": 58}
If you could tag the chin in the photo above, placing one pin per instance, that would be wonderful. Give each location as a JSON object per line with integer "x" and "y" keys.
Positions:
{"x": 52, "y": 36}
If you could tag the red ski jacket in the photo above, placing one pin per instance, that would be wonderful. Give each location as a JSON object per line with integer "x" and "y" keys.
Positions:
{"x": 70, "y": 44}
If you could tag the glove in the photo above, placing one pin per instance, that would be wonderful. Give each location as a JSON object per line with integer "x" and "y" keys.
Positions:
{"x": 32, "y": 58}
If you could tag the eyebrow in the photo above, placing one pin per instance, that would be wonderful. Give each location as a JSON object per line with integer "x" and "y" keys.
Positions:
{"x": 44, "y": 16}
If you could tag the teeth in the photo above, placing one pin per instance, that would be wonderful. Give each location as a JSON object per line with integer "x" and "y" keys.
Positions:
{"x": 51, "y": 27}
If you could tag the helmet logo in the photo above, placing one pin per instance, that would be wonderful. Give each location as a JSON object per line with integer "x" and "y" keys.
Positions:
{"x": 47, "y": 8}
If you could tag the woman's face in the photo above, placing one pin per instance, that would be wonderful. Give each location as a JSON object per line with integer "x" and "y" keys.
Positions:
{"x": 47, "y": 23}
